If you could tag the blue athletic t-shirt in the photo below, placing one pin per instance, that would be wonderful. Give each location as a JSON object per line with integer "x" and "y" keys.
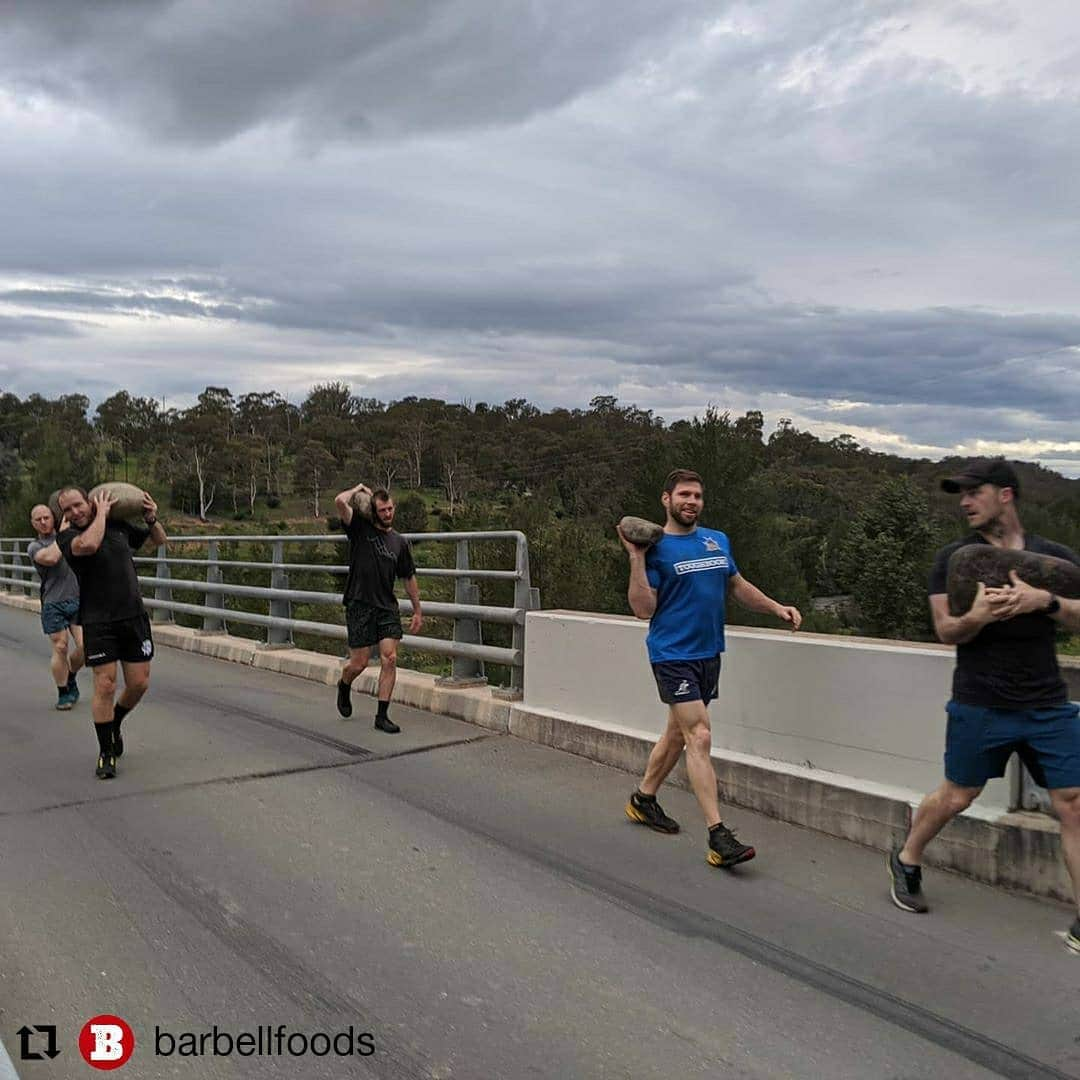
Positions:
{"x": 690, "y": 575}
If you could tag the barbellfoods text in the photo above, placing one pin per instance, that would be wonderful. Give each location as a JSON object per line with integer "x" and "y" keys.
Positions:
{"x": 267, "y": 1040}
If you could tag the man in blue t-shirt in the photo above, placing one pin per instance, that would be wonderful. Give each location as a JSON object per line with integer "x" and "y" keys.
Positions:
{"x": 681, "y": 585}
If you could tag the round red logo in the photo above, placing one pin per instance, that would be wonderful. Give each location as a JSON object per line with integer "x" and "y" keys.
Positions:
{"x": 106, "y": 1042}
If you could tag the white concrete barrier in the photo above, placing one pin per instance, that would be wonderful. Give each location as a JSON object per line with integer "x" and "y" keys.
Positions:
{"x": 870, "y": 712}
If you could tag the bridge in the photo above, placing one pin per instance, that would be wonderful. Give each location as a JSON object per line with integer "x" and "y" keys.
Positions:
{"x": 469, "y": 894}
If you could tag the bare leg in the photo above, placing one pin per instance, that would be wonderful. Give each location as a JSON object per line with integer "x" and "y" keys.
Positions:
{"x": 358, "y": 660}
{"x": 58, "y": 664}
{"x": 104, "y": 692}
{"x": 387, "y": 668}
{"x": 76, "y": 656}
{"x": 1066, "y": 802}
{"x": 663, "y": 758}
{"x": 933, "y": 814}
{"x": 693, "y": 721}
{"x": 136, "y": 683}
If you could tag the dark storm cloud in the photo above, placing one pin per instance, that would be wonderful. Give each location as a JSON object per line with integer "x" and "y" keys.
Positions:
{"x": 191, "y": 71}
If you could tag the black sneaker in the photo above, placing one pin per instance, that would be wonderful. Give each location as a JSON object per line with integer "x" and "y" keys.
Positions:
{"x": 725, "y": 850}
{"x": 647, "y": 811}
{"x": 906, "y": 884}
{"x": 1072, "y": 936}
{"x": 384, "y": 723}
{"x": 64, "y": 700}
{"x": 106, "y": 767}
{"x": 344, "y": 700}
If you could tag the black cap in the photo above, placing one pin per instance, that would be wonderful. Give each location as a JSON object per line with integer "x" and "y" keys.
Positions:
{"x": 996, "y": 471}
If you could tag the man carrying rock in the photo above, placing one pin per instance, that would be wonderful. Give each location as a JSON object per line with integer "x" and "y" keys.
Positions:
{"x": 681, "y": 585}
{"x": 116, "y": 629}
{"x": 377, "y": 557}
{"x": 59, "y": 605}
{"x": 1008, "y": 693}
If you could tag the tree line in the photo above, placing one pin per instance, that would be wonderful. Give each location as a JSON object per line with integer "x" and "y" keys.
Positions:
{"x": 808, "y": 518}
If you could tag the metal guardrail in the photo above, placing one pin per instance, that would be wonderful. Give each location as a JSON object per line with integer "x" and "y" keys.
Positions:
{"x": 466, "y": 648}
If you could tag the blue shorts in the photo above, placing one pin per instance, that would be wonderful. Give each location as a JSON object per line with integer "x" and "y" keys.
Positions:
{"x": 687, "y": 680}
{"x": 59, "y": 615}
{"x": 979, "y": 740}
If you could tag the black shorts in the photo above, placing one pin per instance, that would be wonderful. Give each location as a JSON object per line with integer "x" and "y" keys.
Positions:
{"x": 369, "y": 625}
{"x": 126, "y": 640}
{"x": 687, "y": 680}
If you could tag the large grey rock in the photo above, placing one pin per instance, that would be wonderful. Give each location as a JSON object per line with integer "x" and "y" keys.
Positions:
{"x": 991, "y": 565}
{"x": 129, "y": 500}
{"x": 639, "y": 531}
{"x": 361, "y": 504}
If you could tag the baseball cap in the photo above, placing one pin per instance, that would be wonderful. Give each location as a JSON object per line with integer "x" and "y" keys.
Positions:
{"x": 996, "y": 471}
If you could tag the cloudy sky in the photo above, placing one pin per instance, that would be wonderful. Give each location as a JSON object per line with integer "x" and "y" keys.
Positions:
{"x": 864, "y": 216}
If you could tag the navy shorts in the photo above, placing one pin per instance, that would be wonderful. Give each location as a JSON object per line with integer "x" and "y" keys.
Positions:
{"x": 126, "y": 640}
{"x": 979, "y": 740}
{"x": 57, "y": 615}
{"x": 369, "y": 625}
{"x": 687, "y": 680}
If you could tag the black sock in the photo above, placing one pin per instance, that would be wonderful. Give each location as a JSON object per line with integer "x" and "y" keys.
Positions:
{"x": 118, "y": 714}
{"x": 383, "y": 710}
{"x": 71, "y": 680}
{"x": 645, "y": 798}
{"x": 104, "y": 734}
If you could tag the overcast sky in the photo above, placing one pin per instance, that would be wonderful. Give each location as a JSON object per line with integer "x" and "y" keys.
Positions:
{"x": 864, "y": 216}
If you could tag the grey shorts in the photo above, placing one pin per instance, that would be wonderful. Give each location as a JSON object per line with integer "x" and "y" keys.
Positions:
{"x": 369, "y": 625}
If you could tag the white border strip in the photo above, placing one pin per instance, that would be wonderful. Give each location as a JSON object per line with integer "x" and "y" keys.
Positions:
{"x": 7, "y": 1070}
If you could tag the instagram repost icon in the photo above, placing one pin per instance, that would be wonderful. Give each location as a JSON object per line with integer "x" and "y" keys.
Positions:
{"x": 106, "y": 1042}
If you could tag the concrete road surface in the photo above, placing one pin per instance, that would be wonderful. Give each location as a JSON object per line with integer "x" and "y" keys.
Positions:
{"x": 469, "y": 905}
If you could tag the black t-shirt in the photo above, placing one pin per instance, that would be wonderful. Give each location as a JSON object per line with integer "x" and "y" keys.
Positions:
{"x": 1010, "y": 664}
{"x": 376, "y": 558}
{"x": 108, "y": 584}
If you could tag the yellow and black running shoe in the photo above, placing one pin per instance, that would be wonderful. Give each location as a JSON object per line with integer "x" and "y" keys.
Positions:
{"x": 106, "y": 767}
{"x": 725, "y": 850}
{"x": 645, "y": 810}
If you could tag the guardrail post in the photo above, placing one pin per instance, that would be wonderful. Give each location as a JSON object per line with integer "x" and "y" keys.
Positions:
{"x": 279, "y": 609}
{"x": 465, "y": 671}
{"x": 215, "y": 601}
{"x": 13, "y": 552}
{"x": 162, "y": 592}
{"x": 3, "y": 553}
{"x": 28, "y": 585}
{"x": 526, "y": 598}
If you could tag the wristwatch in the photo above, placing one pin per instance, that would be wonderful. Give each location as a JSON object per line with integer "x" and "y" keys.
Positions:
{"x": 1053, "y": 607}
{"x": 150, "y": 522}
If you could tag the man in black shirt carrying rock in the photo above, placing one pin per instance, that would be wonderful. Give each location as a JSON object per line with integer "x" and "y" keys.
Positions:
{"x": 116, "y": 629}
{"x": 377, "y": 557}
{"x": 1008, "y": 694}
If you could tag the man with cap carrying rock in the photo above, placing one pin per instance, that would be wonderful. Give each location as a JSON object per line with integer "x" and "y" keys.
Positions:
{"x": 116, "y": 629}
{"x": 681, "y": 585}
{"x": 1008, "y": 694}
